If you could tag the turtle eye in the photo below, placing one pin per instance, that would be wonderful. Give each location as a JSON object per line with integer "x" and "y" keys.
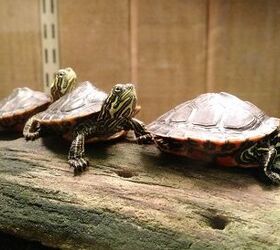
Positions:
{"x": 61, "y": 74}
{"x": 118, "y": 89}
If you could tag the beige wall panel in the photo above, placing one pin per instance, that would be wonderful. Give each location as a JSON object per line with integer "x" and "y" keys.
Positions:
{"x": 244, "y": 51}
{"x": 171, "y": 53}
{"x": 94, "y": 40}
{"x": 20, "y": 45}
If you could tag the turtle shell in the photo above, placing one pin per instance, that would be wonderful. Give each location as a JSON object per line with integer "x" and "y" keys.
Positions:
{"x": 83, "y": 101}
{"x": 212, "y": 123}
{"x": 20, "y": 105}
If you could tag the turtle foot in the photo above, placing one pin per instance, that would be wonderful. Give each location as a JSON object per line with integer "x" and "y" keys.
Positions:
{"x": 79, "y": 164}
{"x": 272, "y": 178}
{"x": 31, "y": 136}
{"x": 145, "y": 139}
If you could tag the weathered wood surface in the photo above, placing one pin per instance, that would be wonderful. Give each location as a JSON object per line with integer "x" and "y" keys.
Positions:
{"x": 132, "y": 197}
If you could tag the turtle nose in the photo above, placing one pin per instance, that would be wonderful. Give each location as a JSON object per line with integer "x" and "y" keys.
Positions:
{"x": 130, "y": 85}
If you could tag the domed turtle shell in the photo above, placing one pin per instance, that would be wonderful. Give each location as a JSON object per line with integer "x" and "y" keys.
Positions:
{"x": 21, "y": 104}
{"x": 214, "y": 117}
{"x": 83, "y": 101}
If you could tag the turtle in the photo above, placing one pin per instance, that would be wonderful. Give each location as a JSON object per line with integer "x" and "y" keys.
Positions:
{"x": 221, "y": 128}
{"x": 115, "y": 115}
{"x": 66, "y": 112}
{"x": 24, "y": 102}
{"x": 88, "y": 114}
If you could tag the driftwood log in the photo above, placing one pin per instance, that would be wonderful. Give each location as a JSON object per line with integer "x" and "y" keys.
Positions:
{"x": 132, "y": 197}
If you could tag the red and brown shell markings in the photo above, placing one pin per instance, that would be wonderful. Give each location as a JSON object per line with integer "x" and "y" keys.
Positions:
{"x": 213, "y": 126}
{"x": 20, "y": 105}
{"x": 86, "y": 100}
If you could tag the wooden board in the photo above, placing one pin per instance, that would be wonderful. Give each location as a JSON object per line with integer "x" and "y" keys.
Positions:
{"x": 172, "y": 50}
{"x": 132, "y": 197}
{"x": 94, "y": 40}
{"x": 171, "y": 53}
{"x": 244, "y": 51}
{"x": 20, "y": 51}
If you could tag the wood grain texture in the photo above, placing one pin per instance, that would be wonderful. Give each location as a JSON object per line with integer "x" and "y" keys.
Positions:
{"x": 173, "y": 50}
{"x": 132, "y": 197}
{"x": 243, "y": 51}
{"x": 94, "y": 40}
{"x": 20, "y": 51}
{"x": 171, "y": 53}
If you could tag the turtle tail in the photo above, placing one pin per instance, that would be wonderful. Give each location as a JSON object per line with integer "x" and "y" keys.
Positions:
{"x": 32, "y": 129}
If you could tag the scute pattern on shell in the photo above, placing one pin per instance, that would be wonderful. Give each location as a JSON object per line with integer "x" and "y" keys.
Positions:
{"x": 22, "y": 101}
{"x": 217, "y": 117}
{"x": 82, "y": 101}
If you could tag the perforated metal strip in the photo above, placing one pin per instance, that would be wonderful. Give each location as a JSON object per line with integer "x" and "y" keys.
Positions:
{"x": 134, "y": 40}
{"x": 49, "y": 37}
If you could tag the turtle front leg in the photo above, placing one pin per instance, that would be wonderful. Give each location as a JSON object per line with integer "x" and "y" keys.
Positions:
{"x": 76, "y": 154}
{"x": 141, "y": 133}
{"x": 32, "y": 129}
{"x": 269, "y": 156}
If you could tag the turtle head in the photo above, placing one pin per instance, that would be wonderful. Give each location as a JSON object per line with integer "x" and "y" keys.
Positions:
{"x": 120, "y": 102}
{"x": 64, "y": 81}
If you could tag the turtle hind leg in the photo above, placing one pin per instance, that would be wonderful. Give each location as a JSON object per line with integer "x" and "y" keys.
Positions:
{"x": 269, "y": 173}
{"x": 76, "y": 154}
{"x": 32, "y": 129}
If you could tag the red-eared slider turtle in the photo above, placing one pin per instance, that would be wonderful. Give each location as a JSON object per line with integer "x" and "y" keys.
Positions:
{"x": 220, "y": 127}
{"x": 88, "y": 114}
{"x": 23, "y": 103}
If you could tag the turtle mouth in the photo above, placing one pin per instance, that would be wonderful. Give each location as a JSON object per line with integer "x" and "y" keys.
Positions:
{"x": 122, "y": 91}
{"x": 129, "y": 93}
{"x": 130, "y": 88}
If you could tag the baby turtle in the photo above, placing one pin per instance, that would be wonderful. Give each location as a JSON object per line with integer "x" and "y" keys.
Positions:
{"x": 220, "y": 127}
{"x": 62, "y": 115}
{"x": 115, "y": 115}
{"x": 23, "y": 103}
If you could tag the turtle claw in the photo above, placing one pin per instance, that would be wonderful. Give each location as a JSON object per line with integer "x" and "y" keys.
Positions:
{"x": 79, "y": 164}
{"x": 145, "y": 139}
{"x": 31, "y": 136}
